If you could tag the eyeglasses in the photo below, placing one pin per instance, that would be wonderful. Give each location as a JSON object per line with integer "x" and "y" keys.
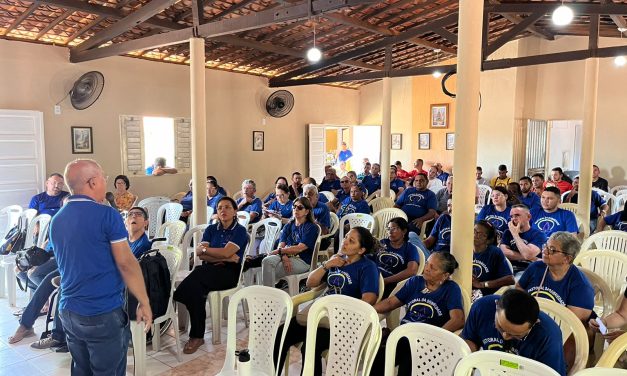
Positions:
{"x": 135, "y": 214}
{"x": 393, "y": 228}
{"x": 344, "y": 181}
{"x": 299, "y": 207}
{"x": 551, "y": 251}
{"x": 520, "y": 337}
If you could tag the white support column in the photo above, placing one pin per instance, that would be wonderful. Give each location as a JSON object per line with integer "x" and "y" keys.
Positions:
{"x": 199, "y": 129}
{"x": 466, "y": 129}
{"x": 386, "y": 130}
{"x": 590, "y": 88}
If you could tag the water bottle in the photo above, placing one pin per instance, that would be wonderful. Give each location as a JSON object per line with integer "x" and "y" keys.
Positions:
{"x": 243, "y": 363}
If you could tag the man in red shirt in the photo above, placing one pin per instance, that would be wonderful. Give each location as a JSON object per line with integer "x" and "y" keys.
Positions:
{"x": 556, "y": 181}
{"x": 417, "y": 169}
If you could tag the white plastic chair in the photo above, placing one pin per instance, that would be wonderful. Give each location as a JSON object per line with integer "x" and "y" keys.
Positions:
{"x": 173, "y": 256}
{"x": 619, "y": 188}
{"x": 602, "y": 371}
{"x": 9, "y": 216}
{"x": 152, "y": 205}
{"x": 272, "y": 231}
{"x": 380, "y": 203}
{"x": 293, "y": 281}
{"x": 614, "y": 240}
{"x": 611, "y": 266}
{"x": 329, "y": 195}
{"x": 382, "y": 217}
{"x": 269, "y": 308}
{"x": 491, "y": 362}
{"x": 194, "y": 233}
{"x": 569, "y": 324}
{"x": 210, "y": 213}
{"x": 243, "y": 218}
{"x": 354, "y": 220}
{"x": 613, "y": 352}
{"x": 485, "y": 191}
{"x": 620, "y": 201}
{"x": 355, "y": 335}
{"x": 434, "y": 351}
{"x": 609, "y": 198}
{"x": 237, "y": 195}
{"x": 604, "y": 298}
{"x": 169, "y": 212}
{"x": 173, "y": 232}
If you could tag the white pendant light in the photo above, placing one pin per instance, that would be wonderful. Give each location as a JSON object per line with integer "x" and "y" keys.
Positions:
{"x": 437, "y": 73}
{"x": 563, "y": 15}
{"x": 314, "y": 54}
{"x": 620, "y": 61}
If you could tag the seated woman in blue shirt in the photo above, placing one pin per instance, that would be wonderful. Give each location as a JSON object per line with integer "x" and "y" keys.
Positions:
{"x": 398, "y": 259}
{"x": 431, "y": 298}
{"x": 557, "y": 279}
{"x": 490, "y": 269}
{"x": 356, "y": 203}
{"x": 347, "y": 273}
{"x": 497, "y": 213}
{"x": 272, "y": 195}
{"x": 281, "y": 206}
{"x": 221, "y": 251}
{"x": 617, "y": 221}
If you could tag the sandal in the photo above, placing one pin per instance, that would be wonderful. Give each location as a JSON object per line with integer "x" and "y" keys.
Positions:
{"x": 192, "y": 345}
{"x": 20, "y": 334}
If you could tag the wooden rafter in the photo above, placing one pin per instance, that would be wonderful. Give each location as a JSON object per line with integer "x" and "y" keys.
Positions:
{"x": 54, "y": 23}
{"x": 22, "y": 17}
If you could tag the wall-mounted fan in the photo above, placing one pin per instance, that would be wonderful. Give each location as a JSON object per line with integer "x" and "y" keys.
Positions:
{"x": 280, "y": 103}
{"x": 86, "y": 90}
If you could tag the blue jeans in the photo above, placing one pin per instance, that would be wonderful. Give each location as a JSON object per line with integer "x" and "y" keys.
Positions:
{"x": 99, "y": 343}
{"x": 37, "y": 276}
{"x": 415, "y": 240}
{"x": 40, "y": 297}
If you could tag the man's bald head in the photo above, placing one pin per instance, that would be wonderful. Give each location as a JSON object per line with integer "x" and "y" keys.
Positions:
{"x": 79, "y": 177}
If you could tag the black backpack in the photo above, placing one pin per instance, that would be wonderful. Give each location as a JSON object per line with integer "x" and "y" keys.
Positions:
{"x": 14, "y": 240}
{"x": 157, "y": 279}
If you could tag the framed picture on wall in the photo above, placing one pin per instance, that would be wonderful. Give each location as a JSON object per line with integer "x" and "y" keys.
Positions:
{"x": 450, "y": 141}
{"x": 82, "y": 140}
{"x": 397, "y": 141}
{"x": 424, "y": 141}
{"x": 258, "y": 141}
{"x": 439, "y": 115}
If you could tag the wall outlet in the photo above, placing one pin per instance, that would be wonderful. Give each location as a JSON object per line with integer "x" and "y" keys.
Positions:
{"x": 57, "y": 110}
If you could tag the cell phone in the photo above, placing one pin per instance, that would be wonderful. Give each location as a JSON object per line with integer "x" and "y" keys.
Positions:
{"x": 602, "y": 327}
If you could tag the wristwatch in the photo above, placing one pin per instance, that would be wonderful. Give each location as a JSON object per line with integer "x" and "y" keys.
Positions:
{"x": 324, "y": 266}
{"x": 280, "y": 251}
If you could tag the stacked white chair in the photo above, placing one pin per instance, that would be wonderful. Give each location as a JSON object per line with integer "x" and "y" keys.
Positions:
{"x": 612, "y": 240}
{"x": 10, "y": 217}
{"x": 485, "y": 191}
{"x": 173, "y": 256}
{"x": 354, "y": 220}
{"x": 355, "y": 335}
{"x": 434, "y": 351}
{"x": 269, "y": 308}
{"x": 618, "y": 189}
{"x": 152, "y": 205}
{"x": 381, "y": 219}
{"x": 491, "y": 362}
{"x": 169, "y": 212}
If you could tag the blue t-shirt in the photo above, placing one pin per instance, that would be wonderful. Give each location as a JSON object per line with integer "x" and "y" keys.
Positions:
{"x": 140, "y": 246}
{"x": 531, "y": 236}
{"x": 46, "y": 204}
{"x": 271, "y": 196}
{"x": 372, "y": 183}
{"x": 82, "y": 233}
{"x": 532, "y": 201}
{"x": 614, "y": 221}
{"x": 213, "y": 201}
{"x": 307, "y": 233}
{"x": 344, "y": 155}
{"x": 543, "y": 343}
{"x": 396, "y": 184}
{"x": 284, "y": 209}
{"x": 256, "y": 206}
{"x": 342, "y": 196}
{"x": 548, "y": 223}
{"x": 149, "y": 170}
{"x": 349, "y": 206}
{"x": 322, "y": 198}
{"x": 391, "y": 261}
{"x": 595, "y": 205}
{"x": 322, "y": 215}
{"x": 416, "y": 203}
{"x": 489, "y": 265}
{"x": 218, "y": 237}
{"x": 443, "y": 176}
{"x": 329, "y": 185}
{"x": 429, "y": 307}
{"x": 441, "y": 231}
{"x": 572, "y": 290}
{"x": 496, "y": 218}
{"x": 187, "y": 201}
{"x": 353, "y": 279}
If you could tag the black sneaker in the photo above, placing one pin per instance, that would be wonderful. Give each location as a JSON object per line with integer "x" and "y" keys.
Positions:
{"x": 61, "y": 349}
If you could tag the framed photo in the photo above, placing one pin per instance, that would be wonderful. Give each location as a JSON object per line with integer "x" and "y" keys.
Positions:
{"x": 439, "y": 115}
{"x": 424, "y": 141}
{"x": 82, "y": 140}
{"x": 397, "y": 141}
{"x": 450, "y": 141}
{"x": 258, "y": 141}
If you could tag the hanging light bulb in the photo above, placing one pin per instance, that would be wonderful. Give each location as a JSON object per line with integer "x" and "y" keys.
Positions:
{"x": 437, "y": 73}
{"x": 314, "y": 54}
{"x": 620, "y": 61}
{"x": 563, "y": 15}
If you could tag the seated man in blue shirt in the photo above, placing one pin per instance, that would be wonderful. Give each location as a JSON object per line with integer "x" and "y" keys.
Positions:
{"x": 521, "y": 243}
{"x": 550, "y": 217}
{"x": 529, "y": 198}
{"x": 418, "y": 202}
{"x": 372, "y": 182}
{"x": 136, "y": 225}
{"x": 249, "y": 202}
{"x": 513, "y": 323}
{"x": 51, "y": 200}
{"x": 598, "y": 206}
{"x": 330, "y": 182}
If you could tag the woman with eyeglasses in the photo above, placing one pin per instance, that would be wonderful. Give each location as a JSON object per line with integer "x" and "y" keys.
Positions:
{"x": 124, "y": 199}
{"x": 281, "y": 180}
{"x": 497, "y": 213}
{"x": 557, "y": 279}
{"x": 221, "y": 251}
{"x": 296, "y": 245}
{"x": 397, "y": 259}
{"x": 490, "y": 269}
{"x": 281, "y": 207}
{"x": 347, "y": 273}
{"x": 431, "y": 298}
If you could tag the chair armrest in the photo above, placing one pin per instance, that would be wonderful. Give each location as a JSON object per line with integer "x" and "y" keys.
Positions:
{"x": 305, "y": 297}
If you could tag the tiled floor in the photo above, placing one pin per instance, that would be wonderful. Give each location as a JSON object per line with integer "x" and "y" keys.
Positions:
{"x": 21, "y": 360}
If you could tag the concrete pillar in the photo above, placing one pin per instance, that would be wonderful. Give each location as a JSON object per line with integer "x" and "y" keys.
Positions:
{"x": 199, "y": 129}
{"x": 590, "y": 88}
{"x": 386, "y": 137}
{"x": 466, "y": 129}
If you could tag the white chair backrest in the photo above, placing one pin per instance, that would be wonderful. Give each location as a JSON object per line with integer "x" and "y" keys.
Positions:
{"x": 269, "y": 308}
{"x": 614, "y": 351}
{"x": 27, "y": 216}
{"x": 152, "y": 205}
{"x": 620, "y": 201}
{"x": 610, "y": 265}
{"x": 237, "y": 195}
{"x": 210, "y": 213}
{"x": 381, "y": 219}
{"x": 243, "y": 217}
{"x": 194, "y": 233}
{"x": 434, "y": 351}
{"x": 568, "y": 324}
{"x": 381, "y": 203}
{"x": 173, "y": 232}
{"x": 619, "y": 188}
{"x": 602, "y": 371}
{"x": 354, "y": 339}
{"x": 613, "y": 240}
{"x": 9, "y": 216}
{"x": 173, "y": 256}
{"x": 354, "y": 220}
{"x": 39, "y": 223}
{"x": 169, "y": 212}
{"x": 609, "y": 198}
{"x": 485, "y": 191}
{"x": 603, "y": 296}
{"x": 272, "y": 230}
{"x": 329, "y": 195}
{"x": 569, "y": 206}
{"x": 492, "y": 363}
{"x": 335, "y": 223}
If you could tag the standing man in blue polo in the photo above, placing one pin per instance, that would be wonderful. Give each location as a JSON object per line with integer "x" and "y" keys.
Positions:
{"x": 95, "y": 263}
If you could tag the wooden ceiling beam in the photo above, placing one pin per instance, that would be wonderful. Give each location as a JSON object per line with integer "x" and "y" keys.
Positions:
{"x": 232, "y": 9}
{"x": 618, "y": 20}
{"x": 513, "y": 32}
{"x": 85, "y": 28}
{"x": 516, "y": 19}
{"x": 578, "y": 8}
{"x": 386, "y": 9}
{"x": 198, "y": 12}
{"x": 22, "y": 17}
{"x": 54, "y": 23}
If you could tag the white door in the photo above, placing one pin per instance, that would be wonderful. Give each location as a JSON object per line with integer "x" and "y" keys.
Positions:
{"x": 564, "y": 144}
{"x": 317, "y": 152}
{"x": 366, "y": 144}
{"x": 22, "y": 156}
